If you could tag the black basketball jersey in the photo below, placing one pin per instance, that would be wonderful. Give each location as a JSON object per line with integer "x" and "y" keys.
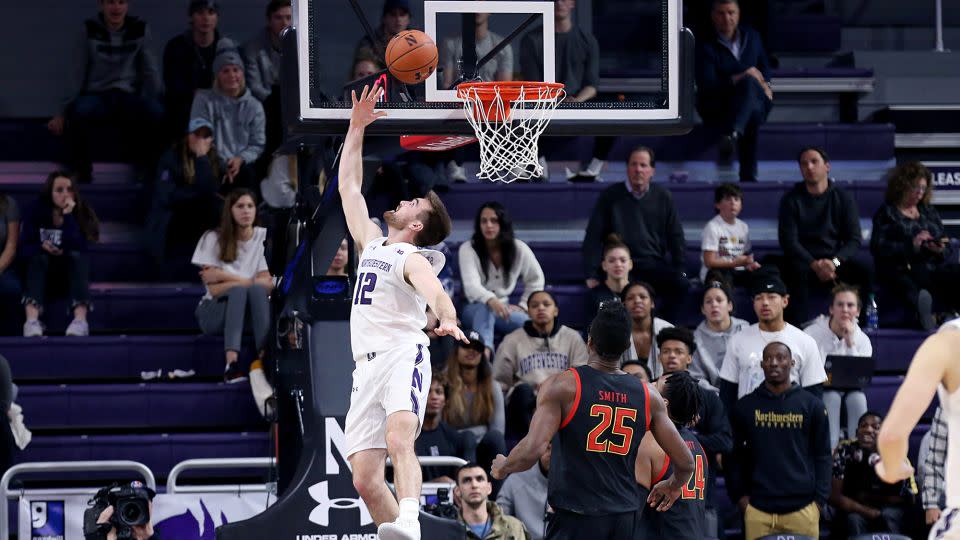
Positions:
{"x": 685, "y": 519}
{"x": 595, "y": 451}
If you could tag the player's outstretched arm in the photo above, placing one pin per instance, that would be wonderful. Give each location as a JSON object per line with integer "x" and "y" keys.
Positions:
{"x": 926, "y": 371}
{"x": 350, "y": 175}
{"x": 666, "y": 492}
{"x": 554, "y": 392}
{"x": 419, "y": 273}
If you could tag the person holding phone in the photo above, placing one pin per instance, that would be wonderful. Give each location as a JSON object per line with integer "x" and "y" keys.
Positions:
{"x": 56, "y": 233}
{"x": 911, "y": 246}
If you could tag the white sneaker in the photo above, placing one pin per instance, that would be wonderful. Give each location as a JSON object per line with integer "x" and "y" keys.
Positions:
{"x": 262, "y": 392}
{"x": 594, "y": 168}
{"x": 78, "y": 328}
{"x": 33, "y": 328}
{"x": 398, "y": 530}
{"x": 545, "y": 176}
{"x": 455, "y": 172}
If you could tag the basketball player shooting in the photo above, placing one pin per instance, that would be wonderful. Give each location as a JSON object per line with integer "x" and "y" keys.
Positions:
{"x": 396, "y": 281}
{"x": 600, "y": 415}
{"x": 934, "y": 369}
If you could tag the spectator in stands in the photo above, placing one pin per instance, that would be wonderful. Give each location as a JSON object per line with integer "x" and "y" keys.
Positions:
{"x": 395, "y": 19}
{"x": 234, "y": 272}
{"x": 262, "y": 53}
{"x": 437, "y": 438}
{"x": 742, "y": 370}
{"x": 866, "y": 503}
{"x": 616, "y": 266}
{"x": 529, "y": 355}
{"x": 188, "y": 62}
{"x": 725, "y": 243}
{"x": 733, "y": 85}
{"x": 839, "y": 334}
{"x": 475, "y": 404}
{"x": 338, "y": 266}
{"x": 645, "y": 217}
{"x": 188, "y": 181}
{"x": 932, "y": 467}
{"x": 524, "y": 496}
{"x": 638, "y": 369}
{"x": 909, "y": 244}
{"x": 499, "y": 68}
{"x": 577, "y": 67}
{"x": 364, "y": 65}
{"x": 114, "y": 77}
{"x": 712, "y": 427}
{"x": 490, "y": 264}
{"x": 819, "y": 232}
{"x": 9, "y": 238}
{"x": 279, "y": 187}
{"x": 237, "y": 118}
{"x": 481, "y": 517}
{"x": 56, "y": 234}
{"x": 638, "y": 297}
{"x": 714, "y": 331}
{"x": 779, "y": 470}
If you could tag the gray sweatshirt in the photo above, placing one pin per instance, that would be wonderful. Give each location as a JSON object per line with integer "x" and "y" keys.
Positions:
{"x": 262, "y": 64}
{"x": 238, "y": 123}
{"x": 105, "y": 60}
{"x": 711, "y": 348}
{"x": 524, "y": 496}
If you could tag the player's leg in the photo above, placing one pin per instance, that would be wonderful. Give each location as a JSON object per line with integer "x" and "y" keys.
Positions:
{"x": 402, "y": 427}
{"x": 368, "y": 466}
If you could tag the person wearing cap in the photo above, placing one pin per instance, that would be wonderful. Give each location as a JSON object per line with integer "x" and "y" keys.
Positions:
{"x": 114, "y": 78}
{"x": 741, "y": 372}
{"x": 188, "y": 61}
{"x": 715, "y": 330}
{"x": 237, "y": 118}
{"x": 475, "y": 401}
{"x": 676, "y": 347}
{"x": 529, "y": 355}
{"x": 395, "y": 19}
{"x": 187, "y": 182}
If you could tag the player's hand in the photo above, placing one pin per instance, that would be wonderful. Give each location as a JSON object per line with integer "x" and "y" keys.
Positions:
{"x": 496, "y": 470}
{"x": 664, "y": 494}
{"x": 931, "y": 516}
{"x": 892, "y": 475}
{"x": 448, "y": 327}
{"x": 363, "y": 113}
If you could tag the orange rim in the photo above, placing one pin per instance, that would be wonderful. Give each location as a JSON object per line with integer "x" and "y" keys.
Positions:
{"x": 509, "y": 90}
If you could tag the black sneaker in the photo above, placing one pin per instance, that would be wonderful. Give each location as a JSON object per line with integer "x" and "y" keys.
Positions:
{"x": 233, "y": 374}
{"x": 725, "y": 148}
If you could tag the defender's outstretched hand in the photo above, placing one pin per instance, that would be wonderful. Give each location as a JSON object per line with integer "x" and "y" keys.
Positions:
{"x": 363, "y": 113}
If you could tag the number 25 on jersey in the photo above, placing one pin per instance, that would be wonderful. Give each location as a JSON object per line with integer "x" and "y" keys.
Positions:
{"x": 612, "y": 419}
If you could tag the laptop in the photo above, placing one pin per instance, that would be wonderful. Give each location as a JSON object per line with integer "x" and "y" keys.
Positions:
{"x": 848, "y": 372}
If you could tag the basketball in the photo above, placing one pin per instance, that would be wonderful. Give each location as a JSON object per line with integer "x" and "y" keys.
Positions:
{"x": 412, "y": 56}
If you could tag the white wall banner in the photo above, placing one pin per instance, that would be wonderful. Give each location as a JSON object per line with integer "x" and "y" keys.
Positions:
{"x": 178, "y": 516}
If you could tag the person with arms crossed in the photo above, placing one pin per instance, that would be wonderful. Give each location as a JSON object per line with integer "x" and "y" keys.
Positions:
{"x": 599, "y": 415}
{"x": 392, "y": 376}
{"x": 934, "y": 369}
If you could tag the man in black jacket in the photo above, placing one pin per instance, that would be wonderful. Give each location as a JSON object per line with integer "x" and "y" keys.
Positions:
{"x": 779, "y": 470}
{"x": 676, "y": 346}
{"x": 645, "y": 217}
{"x": 819, "y": 232}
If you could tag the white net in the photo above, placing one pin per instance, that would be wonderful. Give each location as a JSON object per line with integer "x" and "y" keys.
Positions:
{"x": 508, "y": 133}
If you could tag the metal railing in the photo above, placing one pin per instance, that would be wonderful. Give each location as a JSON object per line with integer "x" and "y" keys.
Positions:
{"x": 63, "y": 466}
{"x": 218, "y": 463}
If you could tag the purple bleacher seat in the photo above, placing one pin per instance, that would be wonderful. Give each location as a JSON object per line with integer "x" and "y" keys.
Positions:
{"x": 158, "y": 452}
{"x": 125, "y": 203}
{"x": 804, "y": 32}
{"x": 859, "y": 141}
{"x": 128, "y": 307}
{"x": 894, "y": 349}
{"x": 882, "y": 390}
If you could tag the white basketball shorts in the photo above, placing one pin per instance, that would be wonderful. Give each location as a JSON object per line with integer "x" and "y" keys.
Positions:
{"x": 397, "y": 379}
{"x": 948, "y": 528}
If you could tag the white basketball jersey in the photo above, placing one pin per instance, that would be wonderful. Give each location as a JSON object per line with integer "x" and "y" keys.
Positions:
{"x": 950, "y": 404}
{"x": 387, "y": 311}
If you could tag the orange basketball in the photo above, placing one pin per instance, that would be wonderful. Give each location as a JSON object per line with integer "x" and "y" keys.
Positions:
{"x": 412, "y": 56}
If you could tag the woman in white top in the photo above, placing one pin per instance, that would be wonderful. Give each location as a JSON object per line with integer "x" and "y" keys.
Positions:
{"x": 714, "y": 331}
{"x": 234, "y": 271}
{"x": 839, "y": 334}
{"x": 490, "y": 264}
{"x": 638, "y": 298}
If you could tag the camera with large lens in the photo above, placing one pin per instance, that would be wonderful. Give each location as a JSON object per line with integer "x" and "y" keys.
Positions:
{"x": 440, "y": 505}
{"x": 131, "y": 507}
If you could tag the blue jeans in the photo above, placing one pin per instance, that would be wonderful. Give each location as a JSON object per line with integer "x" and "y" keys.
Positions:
{"x": 480, "y": 318}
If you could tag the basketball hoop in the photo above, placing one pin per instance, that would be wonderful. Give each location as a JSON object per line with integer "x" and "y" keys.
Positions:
{"x": 508, "y": 118}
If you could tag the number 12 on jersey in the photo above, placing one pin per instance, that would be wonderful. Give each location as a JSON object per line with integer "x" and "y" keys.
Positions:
{"x": 366, "y": 282}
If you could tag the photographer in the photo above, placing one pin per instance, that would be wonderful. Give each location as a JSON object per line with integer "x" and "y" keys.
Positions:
{"x": 481, "y": 517}
{"x": 119, "y": 513}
